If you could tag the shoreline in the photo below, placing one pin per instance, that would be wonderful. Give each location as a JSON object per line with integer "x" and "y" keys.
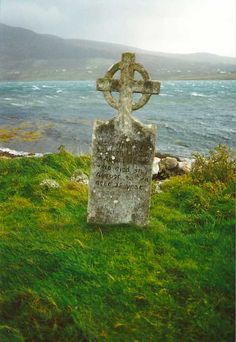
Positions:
{"x": 6, "y": 152}
{"x": 10, "y": 153}
{"x": 164, "y": 164}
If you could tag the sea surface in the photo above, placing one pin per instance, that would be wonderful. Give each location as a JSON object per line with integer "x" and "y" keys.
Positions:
{"x": 191, "y": 116}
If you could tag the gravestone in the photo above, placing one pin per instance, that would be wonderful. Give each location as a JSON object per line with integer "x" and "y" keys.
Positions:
{"x": 122, "y": 150}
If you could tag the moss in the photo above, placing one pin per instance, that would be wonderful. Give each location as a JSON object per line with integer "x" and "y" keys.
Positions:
{"x": 22, "y": 133}
{"x": 7, "y": 135}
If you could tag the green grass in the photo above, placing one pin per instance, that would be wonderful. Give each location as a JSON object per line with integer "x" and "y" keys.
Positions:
{"x": 64, "y": 280}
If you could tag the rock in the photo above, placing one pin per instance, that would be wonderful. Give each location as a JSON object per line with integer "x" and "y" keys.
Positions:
{"x": 185, "y": 165}
{"x": 79, "y": 177}
{"x": 167, "y": 166}
{"x": 158, "y": 187}
{"x": 169, "y": 163}
{"x": 49, "y": 184}
{"x": 164, "y": 155}
{"x": 155, "y": 166}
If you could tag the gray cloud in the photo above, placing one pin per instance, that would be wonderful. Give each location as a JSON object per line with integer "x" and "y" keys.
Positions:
{"x": 167, "y": 25}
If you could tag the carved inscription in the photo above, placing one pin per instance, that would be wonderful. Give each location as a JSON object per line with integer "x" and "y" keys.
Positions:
{"x": 121, "y": 174}
{"x": 117, "y": 166}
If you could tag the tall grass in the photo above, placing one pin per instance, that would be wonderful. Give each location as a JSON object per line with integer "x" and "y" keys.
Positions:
{"x": 64, "y": 280}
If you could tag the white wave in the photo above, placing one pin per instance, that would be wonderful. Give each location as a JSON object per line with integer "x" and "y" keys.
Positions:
{"x": 194, "y": 93}
{"x": 47, "y": 86}
{"x": 59, "y": 91}
{"x": 17, "y": 104}
{"x": 19, "y": 153}
{"x": 8, "y": 99}
{"x": 34, "y": 87}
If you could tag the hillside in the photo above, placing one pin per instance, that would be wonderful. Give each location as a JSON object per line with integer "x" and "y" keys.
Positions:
{"x": 26, "y": 55}
{"x": 62, "y": 279}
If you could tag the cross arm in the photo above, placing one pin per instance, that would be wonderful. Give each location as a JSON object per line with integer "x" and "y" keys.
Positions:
{"x": 146, "y": 87}
{"x": 105, "y": 84}
{"x": 143, "y": 87}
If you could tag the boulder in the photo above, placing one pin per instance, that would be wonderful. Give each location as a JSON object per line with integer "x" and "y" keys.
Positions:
{"x": 164, "y": 155}
{"x": 185, "y": 165}
{"x": 157, "y": 188}
{"x": 159, "y": 185}
{"x": 79, "y": 177}
{"x": 49, "y": 184}
{"x": 168, "y": 168}
{"x": 169, "y": 162}
{"x": 155, "y": 166}
{"x": 165, "y": 166}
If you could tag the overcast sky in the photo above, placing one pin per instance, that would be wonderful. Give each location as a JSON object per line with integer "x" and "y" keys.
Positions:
{"x": 181, "y": 26}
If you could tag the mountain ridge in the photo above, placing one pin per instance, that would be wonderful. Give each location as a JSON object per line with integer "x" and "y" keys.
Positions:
{"x": 27, "y": 55}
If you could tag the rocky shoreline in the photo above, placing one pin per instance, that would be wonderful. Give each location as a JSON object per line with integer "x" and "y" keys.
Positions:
{"x": 164, "y": 165}
{"x": 8, "y": 153}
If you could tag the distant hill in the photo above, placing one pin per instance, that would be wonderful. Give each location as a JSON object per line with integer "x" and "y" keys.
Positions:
{"x": 26, "y": 55}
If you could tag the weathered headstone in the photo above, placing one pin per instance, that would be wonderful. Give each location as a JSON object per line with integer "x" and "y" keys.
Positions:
{"x": 122, "y": 150}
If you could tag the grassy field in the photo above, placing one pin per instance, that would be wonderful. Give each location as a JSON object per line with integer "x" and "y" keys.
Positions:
{"x": 64, "y": 280}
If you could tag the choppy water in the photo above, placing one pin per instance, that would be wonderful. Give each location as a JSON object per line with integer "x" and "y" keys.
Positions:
{"x": 190, "y": 115}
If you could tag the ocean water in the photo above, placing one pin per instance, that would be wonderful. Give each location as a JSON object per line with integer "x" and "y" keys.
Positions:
{"x": 191, "y": 116}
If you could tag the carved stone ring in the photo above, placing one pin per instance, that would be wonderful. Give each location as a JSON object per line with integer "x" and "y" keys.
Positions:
{"x": 127, "y": 85}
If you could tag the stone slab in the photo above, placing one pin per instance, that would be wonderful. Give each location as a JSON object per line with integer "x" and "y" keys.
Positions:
{"x": 120, "y": 183}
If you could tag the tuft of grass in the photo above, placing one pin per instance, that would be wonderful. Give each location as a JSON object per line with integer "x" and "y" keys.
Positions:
{"x": 219, "y": 166}
{"x": 62, "y": 279}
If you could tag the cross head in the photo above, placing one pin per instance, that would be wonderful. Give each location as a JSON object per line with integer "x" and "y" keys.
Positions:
{"x": 127, "y": 85}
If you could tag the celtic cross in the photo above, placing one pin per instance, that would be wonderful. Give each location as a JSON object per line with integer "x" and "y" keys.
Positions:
{"x": 127, "y": 85}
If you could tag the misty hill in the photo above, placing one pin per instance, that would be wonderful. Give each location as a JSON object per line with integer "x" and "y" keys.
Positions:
{"x": 26, "y": 55}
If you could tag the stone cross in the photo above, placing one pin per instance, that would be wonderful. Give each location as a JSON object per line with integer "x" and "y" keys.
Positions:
{"x": 122, "y": 150}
